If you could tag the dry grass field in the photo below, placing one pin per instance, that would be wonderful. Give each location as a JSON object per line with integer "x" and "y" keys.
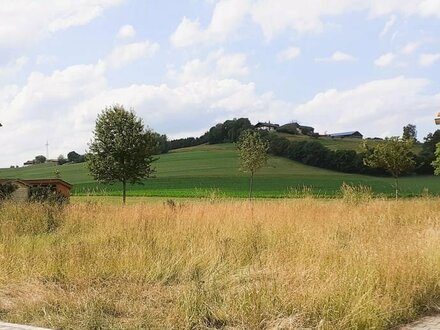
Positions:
{"x": 285, "y": 264}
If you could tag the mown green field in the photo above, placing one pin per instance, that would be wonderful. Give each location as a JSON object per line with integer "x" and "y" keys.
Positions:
{"x": 212, "y": 170}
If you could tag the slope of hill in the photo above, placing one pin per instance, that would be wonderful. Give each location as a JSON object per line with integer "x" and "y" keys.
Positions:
{"x": 206, "y": 169}
{"x": 339, "y": 143}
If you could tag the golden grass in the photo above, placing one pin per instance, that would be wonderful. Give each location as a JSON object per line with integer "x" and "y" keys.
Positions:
{"x": 281, "y": 264}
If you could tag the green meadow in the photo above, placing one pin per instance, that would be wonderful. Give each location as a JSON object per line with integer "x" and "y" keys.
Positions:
{"x": 213, "y": 170}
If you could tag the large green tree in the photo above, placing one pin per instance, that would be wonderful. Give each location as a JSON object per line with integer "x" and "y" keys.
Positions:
{"x": 253, "y": 154}
{"x": 393, "y": 155}
{"x": 409, "y": 132}
{"x": 121, "y": 149}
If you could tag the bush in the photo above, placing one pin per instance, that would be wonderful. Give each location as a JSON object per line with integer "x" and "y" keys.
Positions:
{"x": 292, "y": 128}
{"x": 42, "y": 194}
{"x": 6, "y": 190}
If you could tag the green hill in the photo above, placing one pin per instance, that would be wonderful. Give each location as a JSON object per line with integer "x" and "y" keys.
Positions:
{"x": 199, "y": 171}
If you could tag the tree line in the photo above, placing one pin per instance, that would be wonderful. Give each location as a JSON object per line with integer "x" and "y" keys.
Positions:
{"x": 314, "y": 153}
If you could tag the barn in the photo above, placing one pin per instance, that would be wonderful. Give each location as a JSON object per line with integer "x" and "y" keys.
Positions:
{"x": 352, "y": 134}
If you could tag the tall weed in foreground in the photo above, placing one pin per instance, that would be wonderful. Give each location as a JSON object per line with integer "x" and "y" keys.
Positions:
{"x": 356, "y": 193}
{"x": 29, "y": 218}
{"x": 263, "y": 265}
{"x": 300, "y": 192}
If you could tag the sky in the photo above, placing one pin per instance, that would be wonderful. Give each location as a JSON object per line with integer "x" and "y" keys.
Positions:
{"x": 185, "y": 65}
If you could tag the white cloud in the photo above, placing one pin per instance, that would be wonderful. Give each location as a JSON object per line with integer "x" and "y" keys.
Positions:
{"x": 288, "y": 54}
{"x": 217, "y": 65}
{"x": 46, "y": 59}
{"x": 226, "y": 19}
{"x": 278, "y": 16}
{"x": 337, "y": 57}
{"x": 388, "y": 25}
{"x": 13, "y": 66}
{"x": 378, "y": 107}
{"x": 122, "y": 55}
{"x": 410, "y": 48}
{"x": 126, "y": 32}
{"x": 385, "y": 60}
{"x": 62, "y": 106}
{"x": 24, "y": 21}
{"x": 428, "y": 59}
{"x": 41, "y": 110}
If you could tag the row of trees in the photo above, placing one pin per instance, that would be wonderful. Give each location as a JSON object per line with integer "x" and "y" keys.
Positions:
{"x": 72, "y": 157}
{"x": 312, "y": 152}
{"x": 226, "y": 132}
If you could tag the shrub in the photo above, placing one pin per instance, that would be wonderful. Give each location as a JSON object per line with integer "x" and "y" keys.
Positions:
{"x": 6, "y": 190}
{"x": 43, "y": 194}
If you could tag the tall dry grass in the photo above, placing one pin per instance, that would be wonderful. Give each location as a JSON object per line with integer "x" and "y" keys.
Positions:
{"x": 267, "y": 265}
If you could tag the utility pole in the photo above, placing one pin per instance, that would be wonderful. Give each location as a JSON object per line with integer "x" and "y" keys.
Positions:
{"x": 47, "y": 149}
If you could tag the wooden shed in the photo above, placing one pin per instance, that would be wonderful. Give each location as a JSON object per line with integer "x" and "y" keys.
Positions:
{"x": 24, "y": 187}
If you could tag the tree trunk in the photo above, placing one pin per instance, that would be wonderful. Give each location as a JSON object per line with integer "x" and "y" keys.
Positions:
{"x": 124, "y": 188}
{"x": 251, "y": 182}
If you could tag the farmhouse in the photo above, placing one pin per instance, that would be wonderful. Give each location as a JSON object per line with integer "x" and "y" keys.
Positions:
{"x": 353, "y": 134}
{"x": 266, "y": 126}
{"x": 24, "y": 187}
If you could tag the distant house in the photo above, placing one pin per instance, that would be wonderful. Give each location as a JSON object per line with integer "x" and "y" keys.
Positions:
{"x": 21, "y": 194}
{"x": 266, "y": 126}
{"x": 353, "y": 135}
{"x": 29, "y": 163}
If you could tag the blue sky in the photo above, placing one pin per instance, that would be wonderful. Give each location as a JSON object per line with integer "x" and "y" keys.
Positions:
{"x": 337, "y": 65}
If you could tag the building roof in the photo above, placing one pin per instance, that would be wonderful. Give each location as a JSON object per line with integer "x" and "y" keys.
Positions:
{"x": 260, "y": 124}
{"x": 38, "y": 182}
{"x": 345, "y": 133}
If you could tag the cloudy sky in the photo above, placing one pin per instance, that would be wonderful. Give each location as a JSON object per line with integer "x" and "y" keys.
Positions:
{"x": 184, "y": 65}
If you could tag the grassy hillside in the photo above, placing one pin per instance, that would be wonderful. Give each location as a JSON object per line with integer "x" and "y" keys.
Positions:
{"x": 206, "y": 169}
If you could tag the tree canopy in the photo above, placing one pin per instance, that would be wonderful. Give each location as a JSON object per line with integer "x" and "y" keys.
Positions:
{"x": 409, "y": 132}
{"x": 121, "y": 149}
{"x": 253, "y": 154}
{"x": 393, "y": 155}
